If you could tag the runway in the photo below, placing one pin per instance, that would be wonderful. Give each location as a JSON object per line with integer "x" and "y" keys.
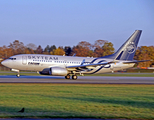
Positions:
{"x": 80, "y": 80}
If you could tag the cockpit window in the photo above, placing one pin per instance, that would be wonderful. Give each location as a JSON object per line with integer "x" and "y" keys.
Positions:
{"x": 12, "y": 58}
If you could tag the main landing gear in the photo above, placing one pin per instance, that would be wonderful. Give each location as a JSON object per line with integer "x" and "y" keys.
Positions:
{"x": 74, "y": 77}
{"x": 67, "y": 76}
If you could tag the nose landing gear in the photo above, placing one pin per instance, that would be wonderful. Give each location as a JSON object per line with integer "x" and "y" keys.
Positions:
{"x": 18, "y": 75}
{"x": 17, "y": 71}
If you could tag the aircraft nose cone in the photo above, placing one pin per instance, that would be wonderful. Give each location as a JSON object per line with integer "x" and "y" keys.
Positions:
{"x": 5, "y": 62}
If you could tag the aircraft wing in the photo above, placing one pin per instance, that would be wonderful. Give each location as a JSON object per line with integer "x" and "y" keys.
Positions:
{"x": 87, "y": 65}
{"x": 135, "y": 61}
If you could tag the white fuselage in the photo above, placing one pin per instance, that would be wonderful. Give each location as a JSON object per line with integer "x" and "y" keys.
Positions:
{"x": 38, "y": 62}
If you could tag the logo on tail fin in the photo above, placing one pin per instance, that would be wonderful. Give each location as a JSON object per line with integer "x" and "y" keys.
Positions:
{"x": 131, "y": 48}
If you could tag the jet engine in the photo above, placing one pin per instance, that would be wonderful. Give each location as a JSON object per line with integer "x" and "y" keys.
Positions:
{"x": 55, "y": 71}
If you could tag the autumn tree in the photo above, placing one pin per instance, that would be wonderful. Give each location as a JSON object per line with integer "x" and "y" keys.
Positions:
{"x": 31, "y": 46}
{"x": 83, "y": 49}
{"x": 52, "y": 48}
{"x": 98, "y": 51}
{"x": 39, "y": 50}
{"x": 108, "y": 48}
{"x": 58, "y": 51}
{"x": 17, "y": 47}
{"x": 5, "y": 52}
{"x": 47, "y": 50}
{"x": 85, "y": 45}
{"x": 67, "y": 50}
{"x": 29, "y": 51}
{"x": 144, "y": 53}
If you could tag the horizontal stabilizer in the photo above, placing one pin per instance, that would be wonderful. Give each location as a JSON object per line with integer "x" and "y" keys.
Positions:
{"x": 135, "y": 61}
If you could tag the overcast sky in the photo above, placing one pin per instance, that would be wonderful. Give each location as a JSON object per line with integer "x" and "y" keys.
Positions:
{"x": 68, "y": 22}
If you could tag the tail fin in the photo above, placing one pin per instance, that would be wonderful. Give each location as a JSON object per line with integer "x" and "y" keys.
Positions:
{"x": 127, "y": 50}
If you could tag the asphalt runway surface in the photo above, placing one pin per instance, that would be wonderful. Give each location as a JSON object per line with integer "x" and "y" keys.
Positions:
{"x": 80, "y": 80}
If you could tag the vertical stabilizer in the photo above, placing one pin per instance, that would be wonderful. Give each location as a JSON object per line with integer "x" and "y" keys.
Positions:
{"x": 127, "y": 50}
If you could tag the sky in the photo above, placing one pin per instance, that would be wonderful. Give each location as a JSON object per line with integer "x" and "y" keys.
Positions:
{"x": 68, "y": 22}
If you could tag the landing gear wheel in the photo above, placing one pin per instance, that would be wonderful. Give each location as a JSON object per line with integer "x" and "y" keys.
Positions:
{"x": 18, "y": 75}
{"x": 74, "y": 77}
{"x": 67, "y": 77}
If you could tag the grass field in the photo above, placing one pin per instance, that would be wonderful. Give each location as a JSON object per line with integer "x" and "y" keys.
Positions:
{"x": 74, "y": 100}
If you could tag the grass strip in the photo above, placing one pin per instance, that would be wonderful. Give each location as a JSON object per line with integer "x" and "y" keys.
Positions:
{"x": 77, "y": 101}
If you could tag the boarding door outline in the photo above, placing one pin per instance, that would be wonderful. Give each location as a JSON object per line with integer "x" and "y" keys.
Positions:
{"x": 24, "y": 60}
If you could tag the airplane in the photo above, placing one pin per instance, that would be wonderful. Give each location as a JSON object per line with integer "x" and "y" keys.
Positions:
{"x": 56, "y": 65}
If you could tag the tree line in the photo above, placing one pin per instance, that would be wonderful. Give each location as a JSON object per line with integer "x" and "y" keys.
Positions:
{"x": 83, "y": 49}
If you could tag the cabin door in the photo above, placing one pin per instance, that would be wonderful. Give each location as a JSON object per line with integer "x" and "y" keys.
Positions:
{"x": 24, "y": 60}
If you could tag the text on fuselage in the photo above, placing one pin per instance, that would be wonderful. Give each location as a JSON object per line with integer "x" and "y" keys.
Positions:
{"x": 42, "y": 58}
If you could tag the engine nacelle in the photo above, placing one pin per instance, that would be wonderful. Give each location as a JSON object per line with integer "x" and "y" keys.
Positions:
{"x": 57, "y": 71}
